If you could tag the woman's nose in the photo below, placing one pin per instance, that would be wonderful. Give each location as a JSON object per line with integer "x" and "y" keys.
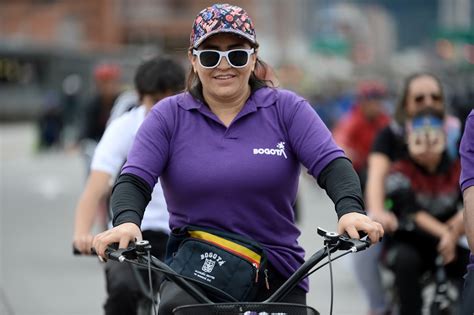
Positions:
{"x": 223, "y": 63}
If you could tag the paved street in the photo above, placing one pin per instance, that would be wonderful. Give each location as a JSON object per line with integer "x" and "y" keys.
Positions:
{"x": 39, "y": 275}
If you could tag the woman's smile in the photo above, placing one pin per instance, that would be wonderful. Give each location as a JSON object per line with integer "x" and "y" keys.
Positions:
{"x": 224, "y": 77}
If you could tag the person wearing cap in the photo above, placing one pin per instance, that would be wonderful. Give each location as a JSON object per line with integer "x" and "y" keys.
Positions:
{"x": 97, "y": 110}
{"x": 93, "y": 116}
{"x": 422, "y": 191}
{"x": 228, "y": 152}
{"x": 467, "y": 187}
{"x": 356, "y": 131}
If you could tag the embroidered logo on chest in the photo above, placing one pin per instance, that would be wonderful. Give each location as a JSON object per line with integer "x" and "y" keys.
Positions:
{"x": 279, "y": 151}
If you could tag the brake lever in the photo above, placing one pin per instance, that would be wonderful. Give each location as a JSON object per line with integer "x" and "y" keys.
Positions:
{"x": 120, "y": 254}
{"x": 330, "y": 238}
{"x": 353, "y": 244}
{"x": 343, "y": 241}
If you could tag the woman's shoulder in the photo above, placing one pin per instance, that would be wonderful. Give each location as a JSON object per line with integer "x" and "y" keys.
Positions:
{"x": 288, "y": 96}
{"x": 268, "y": 96}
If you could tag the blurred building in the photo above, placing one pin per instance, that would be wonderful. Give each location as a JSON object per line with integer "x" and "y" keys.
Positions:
{"x": 43, "y": 42}
{"x": 103, "y": 25}
{"x": 320, "y": 45}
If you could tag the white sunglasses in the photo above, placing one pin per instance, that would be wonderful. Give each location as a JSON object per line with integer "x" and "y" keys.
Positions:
{"x": 237, "y": 58}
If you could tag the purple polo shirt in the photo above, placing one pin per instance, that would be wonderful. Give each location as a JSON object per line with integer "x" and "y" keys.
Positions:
{"x": 466, "y": 150}
{"x": 242, "y": 178}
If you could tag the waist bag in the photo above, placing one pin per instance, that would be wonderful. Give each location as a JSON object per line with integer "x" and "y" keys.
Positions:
{"x": 225, "y": 261}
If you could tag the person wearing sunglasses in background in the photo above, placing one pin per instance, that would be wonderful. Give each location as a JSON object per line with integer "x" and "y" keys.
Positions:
{"x": 228, "y": 154}
{"x": 422, "y": 191}
{"x": 467, "y": 186}
{"x": 419, "y": 92}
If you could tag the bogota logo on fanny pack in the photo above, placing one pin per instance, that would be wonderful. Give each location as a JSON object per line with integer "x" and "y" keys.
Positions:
{"x": 210, "y": 260}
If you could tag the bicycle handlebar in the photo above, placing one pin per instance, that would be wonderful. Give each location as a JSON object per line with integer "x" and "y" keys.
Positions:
{"x": 111, "y": 250}
{"x": 332, "y": 243}
{"x": 137, "y": 253}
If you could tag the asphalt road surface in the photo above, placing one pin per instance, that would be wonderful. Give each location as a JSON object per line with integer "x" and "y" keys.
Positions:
{"x": 38, "y": 273}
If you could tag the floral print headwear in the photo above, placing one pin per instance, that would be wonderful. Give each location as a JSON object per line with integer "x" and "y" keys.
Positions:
{"x": 220, "y": 18}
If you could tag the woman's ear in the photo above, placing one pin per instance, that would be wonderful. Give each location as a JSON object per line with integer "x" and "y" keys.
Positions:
{"x": 192, "y": 60}
{"x": 254, "y": 61}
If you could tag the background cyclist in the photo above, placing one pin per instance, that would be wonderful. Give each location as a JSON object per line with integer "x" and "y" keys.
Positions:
{"x": 419, "y": 91}
{"x": 154, "y": 80}
{"x": 424, "y": 189}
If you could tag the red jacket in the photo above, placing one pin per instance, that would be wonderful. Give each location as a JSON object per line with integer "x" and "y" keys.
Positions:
{"x": 355, "y": 134}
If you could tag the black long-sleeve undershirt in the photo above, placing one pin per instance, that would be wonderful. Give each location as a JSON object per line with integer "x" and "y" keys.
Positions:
{"x": 130, "y": 196}
{"x": 342, "y": 185}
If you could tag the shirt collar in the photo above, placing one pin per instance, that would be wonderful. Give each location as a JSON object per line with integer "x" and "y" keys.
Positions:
{"x": 263, "y": 97}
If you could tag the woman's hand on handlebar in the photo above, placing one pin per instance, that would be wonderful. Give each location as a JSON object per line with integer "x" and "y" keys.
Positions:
{"x": 122, "y": 234}
{"x": 353, "y": 222}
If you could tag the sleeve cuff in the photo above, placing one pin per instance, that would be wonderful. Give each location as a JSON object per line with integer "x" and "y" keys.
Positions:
{"x": 127, "y": 216}
{"x": 347, "y": 205}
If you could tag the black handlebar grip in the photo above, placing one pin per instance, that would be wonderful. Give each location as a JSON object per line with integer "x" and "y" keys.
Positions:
{"x": 77, "y": 252}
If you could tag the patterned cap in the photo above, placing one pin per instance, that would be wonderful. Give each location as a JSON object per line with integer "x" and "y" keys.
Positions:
{"x": 220, "y": 18}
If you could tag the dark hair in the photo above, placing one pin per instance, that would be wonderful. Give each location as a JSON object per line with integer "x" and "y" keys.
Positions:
{"x": 159, "y": 75}
{"x": 400, "y": 109}
{"x": 257, "y": 80}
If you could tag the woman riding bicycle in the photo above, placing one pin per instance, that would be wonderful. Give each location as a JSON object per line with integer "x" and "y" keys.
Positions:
{"x": 228, "y": 154}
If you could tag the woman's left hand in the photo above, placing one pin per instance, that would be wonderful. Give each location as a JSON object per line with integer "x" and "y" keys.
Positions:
{"x": 353, "y": 222}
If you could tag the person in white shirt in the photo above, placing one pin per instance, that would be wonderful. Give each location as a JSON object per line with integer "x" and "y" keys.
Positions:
{"x": 126, "y": 101}
{"x": 154, "y": 80}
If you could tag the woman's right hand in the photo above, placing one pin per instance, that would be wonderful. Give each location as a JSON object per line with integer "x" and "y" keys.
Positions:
{"x": 122, "y": 234}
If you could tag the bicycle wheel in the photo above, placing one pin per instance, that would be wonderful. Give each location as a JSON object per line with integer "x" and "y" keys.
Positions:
{"x": 245, "y": 309}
